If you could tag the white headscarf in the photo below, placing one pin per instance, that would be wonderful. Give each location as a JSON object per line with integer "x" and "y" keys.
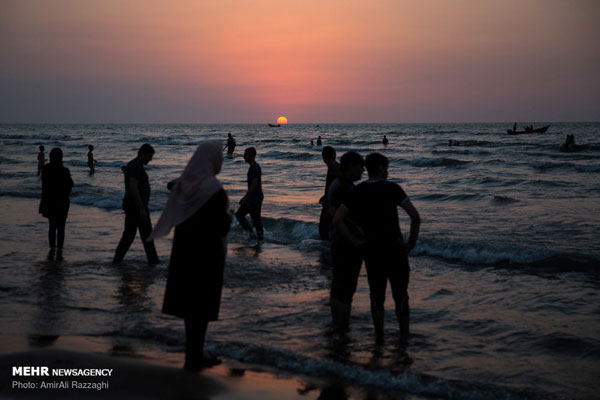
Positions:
{"x": 192, "y": 189}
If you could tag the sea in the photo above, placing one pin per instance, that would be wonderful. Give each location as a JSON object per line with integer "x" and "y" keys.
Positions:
{"x": 505, "y": 277}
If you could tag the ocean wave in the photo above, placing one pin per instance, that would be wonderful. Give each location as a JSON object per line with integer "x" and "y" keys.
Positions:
{"x": 564, "y": 344}
{"x": 12, "y": 136}
{"x": 435, "y": 131}
{"x": 454, "y": 150}
{"x": 542, "y": 260}
{"x": 172, "y": 142}
{"x": 281, "y": 155}
{"x": 99, "y": 202}
{"x": 478, "y": 143}
{"x": 284, "y": 231}
{"x": 501, "y": 200}
{"x": 478, "y": 255}
{"x": 587, "y": 168}
{"x": 399, "y": 379}
{"x": 105, "y": 164}
{"x": 448, "y": 197}
{"x": 546, "y": 183}
{"x": 437, "y": 162}
{"x": 547, "y": 165}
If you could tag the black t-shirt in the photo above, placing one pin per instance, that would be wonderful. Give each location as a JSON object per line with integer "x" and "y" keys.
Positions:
{"x": 333, "y": 171}
{"x": 373, "y": 206}
{"x": 135, "y": 169}
{"x": 336, "y": 194}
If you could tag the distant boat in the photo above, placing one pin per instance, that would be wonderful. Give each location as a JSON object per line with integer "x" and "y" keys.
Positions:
{"x": 274, "y": 125}
{"x": 528, "y": 130}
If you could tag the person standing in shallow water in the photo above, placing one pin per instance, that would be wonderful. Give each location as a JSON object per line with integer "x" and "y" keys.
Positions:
{"x": 373, "y": 206}
{"x": 135, "y": 205}
{"x": 252, "y": 201}
{"x": 54, "y": 205}
{"x": 198, "y": 209}
{"x": 346, "y": 258}
{"x": 333, "y": 171}
{"x": 230, "y": 146}
{"x": 90, "y": 159}
{"x": 41, "y": 157}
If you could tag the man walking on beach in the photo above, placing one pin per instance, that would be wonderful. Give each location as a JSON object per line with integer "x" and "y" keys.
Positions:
{"x": 346, "y": 258}
{"x": 333, "y": 171}
{"x": 373, "y": 206}
{"x": 135, "y": 205}
{"x": 252, "y": 201}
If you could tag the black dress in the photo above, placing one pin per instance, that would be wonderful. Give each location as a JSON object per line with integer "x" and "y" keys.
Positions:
{"x": 195, "y": 278}
{"x": 56, "y": 189}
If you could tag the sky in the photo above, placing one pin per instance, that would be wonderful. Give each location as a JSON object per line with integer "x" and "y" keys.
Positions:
{"x": 313, "y": 61}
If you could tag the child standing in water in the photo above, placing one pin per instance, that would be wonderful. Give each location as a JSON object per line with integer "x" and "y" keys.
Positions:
{"x": 91, "y": 160}
{"x": 41, "y": 159}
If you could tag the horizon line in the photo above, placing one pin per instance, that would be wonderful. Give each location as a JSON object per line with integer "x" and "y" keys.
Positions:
{"x": 291, "y": 123}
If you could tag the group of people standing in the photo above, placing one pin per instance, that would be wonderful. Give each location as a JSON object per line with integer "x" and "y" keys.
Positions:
{"x": 360, "y": 221}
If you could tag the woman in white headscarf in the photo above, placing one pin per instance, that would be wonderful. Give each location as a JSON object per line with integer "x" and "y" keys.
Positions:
{"x": 198, "y": 209}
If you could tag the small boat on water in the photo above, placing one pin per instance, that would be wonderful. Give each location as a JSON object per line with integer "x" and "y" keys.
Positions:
{"x": 529, "y": 129}
{"x": 274, "y": 125}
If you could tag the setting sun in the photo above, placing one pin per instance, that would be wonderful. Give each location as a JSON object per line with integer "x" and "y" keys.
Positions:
{"x": 282, "y": 120}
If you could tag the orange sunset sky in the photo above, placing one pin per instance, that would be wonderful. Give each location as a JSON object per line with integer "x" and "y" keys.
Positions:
{"x": 244, "y": 61}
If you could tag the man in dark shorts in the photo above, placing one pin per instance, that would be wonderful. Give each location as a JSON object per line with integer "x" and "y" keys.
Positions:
{"x": 372, "y": 205}
{"x": 252, "y": 201}
{"x": 346, "y": 258}
{"x": 333, "y": 171}
{"x": 135, "y": 205}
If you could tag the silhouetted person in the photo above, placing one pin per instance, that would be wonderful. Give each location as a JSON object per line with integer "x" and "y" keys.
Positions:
{"x": 198, "y": 209}
{"x": 56, "y": 192}
{"x": 333, "y": 171}
{"x": 319, "y": 142}
{"x": 373, "y": 206}
{"x": 385, "y": 140}
{"x": 135, "y": 205}
{"x": 312, "y": 142}
{"x": 41, "y": 157}
{"x": 346, "y": 258}
{"x": 571, "y": 140}
{"x": 90, "y": 159}
{"x": 515, "y": 127}
{"x": 230, "y": 146}
{"x": 569, "y": 144}
{"x": 252, "y": 201}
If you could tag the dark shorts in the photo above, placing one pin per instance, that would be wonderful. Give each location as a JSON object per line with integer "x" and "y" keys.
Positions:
{"x": 346, "y": 264}
{"x": 385, "y": 263}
